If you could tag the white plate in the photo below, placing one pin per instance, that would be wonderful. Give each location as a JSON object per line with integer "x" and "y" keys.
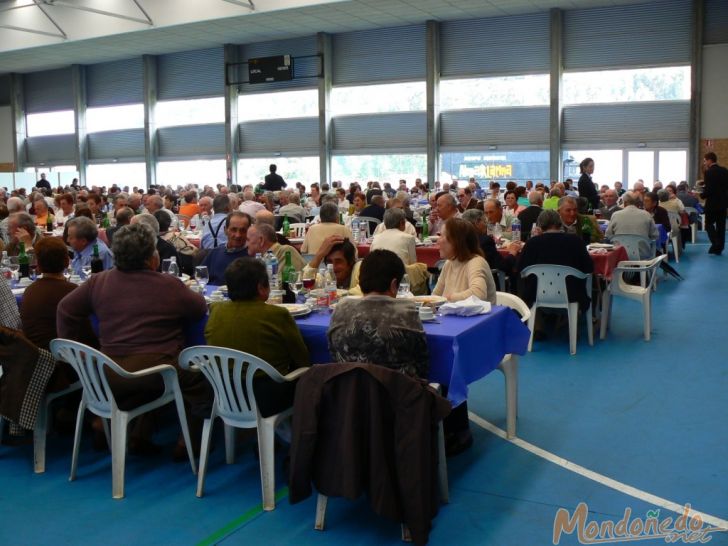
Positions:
{"x": 433, "y": 319}
{"x": 295, "y": 309}
{"x": 430, "y": 300}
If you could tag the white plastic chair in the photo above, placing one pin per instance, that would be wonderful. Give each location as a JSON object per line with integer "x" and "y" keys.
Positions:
{"x": 619, "y": 287}
{"x": 636, "y": 245}
{"x": 674, "y": 236}
{"x": 97, "y": 397}
{"x": 364, "y": 225}
{"x": 551, "y": 293}
{"x": 235, "y": 404}
{"x": 509, "y": 365}
{"x": 41, "y": 426}
{"x": 298, "y": 230}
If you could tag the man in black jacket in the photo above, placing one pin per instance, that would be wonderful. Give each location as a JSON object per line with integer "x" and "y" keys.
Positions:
{"x": 715, "y": 193}
{"x": 274, "y": 181}
{"x": 529, "y": 215}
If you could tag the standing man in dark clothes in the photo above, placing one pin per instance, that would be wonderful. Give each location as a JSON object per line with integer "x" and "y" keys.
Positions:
{"x": 43, "y": 183}
{"x": 274, "y": 181}
{"x": 715, "y": 193}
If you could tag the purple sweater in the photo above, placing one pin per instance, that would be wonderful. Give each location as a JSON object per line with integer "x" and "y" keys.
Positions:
{"x": 138, "y": 311}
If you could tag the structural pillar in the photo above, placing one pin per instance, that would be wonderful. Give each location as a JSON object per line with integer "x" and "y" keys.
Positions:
{"x": 232, "y": 134}
{"x": 696, "y": 92}
{"x": 324, "y": 95}
{"x": 151, "y": 148}
{"x": 78, "y": 75}
{"x": 20, "y": 129}
{"x": 557, "y": 69}
{"x": 432, "y": 84}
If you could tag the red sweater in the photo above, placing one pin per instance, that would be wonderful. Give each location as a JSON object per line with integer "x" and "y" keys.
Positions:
{"x": 138, "y": 312}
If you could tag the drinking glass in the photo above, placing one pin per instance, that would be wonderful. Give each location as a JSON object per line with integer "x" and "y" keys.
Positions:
{"x": 86, "y": 267}
{"x": 202, "y": 276}
{"x": 14, "y": 267}
{"x": 297, "y": 285}
{"x": 193, "y": 223}
{"x": 33, "y": 266}
{"x": 308, "y": 284}
{"x": 67, "y": 273}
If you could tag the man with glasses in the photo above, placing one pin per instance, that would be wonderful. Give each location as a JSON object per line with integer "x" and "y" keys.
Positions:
{"x": 465, "y": 198}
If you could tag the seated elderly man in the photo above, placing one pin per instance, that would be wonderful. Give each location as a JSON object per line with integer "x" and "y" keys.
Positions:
{"x": 397, "y": 203}
{"x": 341, "y": 254}
{"x": 499, "y": 224}
{"x": 575, "y": 223}
{"x": 558, "y": 248}
{"x": 155, "y": 203}
{"x": 609, "y": 204}
{"x": 165, "y": 249}
{"x": 213, "y": 234}
{"x": 270, "y": 332}
{"x": 294, "y": 210}
{"x": 262, "y": 237}
{"x": 528, "y": 216}
{"x": 21, "y": 228}
{"x": 123, "y": 218}
{"x": 446, "y": 207}
{"x": 218, "y": 259}
{"x": 267, "y": 217}
{"x": 395, "y": 238}
{"x": 249, "y": 205}
{"x": 318, "y": 233}
{"x": 633, "y": 221}
{"x": 82, "y": 237}
{"x": 142, "y": 316}
{"x": 394, "y": 334}
{"x": 375, "y": 209}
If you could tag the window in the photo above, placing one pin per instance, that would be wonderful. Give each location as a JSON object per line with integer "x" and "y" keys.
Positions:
{"x": 607, "y": 165}
{"x": 641, "y": 166}
{"x": 284, "y": 104}
{"x": 369, "y": 99}
{"x": 201, "y": 172}
{"x": 607, "y": 86}
{"x": 384, "y": 168}
{"x": 112, "y": 118}
{"x": 293, "y": 169}
{"x": 51, "y": 123}
{"x": 121, "y": 174}
{"x": 504, "y": 91}
{"x": 190, "y": 112}
{"x": 673, "y": 166}
{"x": 497, "y": 165}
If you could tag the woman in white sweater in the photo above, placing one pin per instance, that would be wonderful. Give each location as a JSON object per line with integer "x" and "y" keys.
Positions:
{"x": 466, "y": 273}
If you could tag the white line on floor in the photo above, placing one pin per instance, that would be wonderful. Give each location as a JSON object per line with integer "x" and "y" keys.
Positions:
{"x": 599, "y": 478}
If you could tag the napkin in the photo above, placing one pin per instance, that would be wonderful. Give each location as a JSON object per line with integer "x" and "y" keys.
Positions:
{"x": 18, "y": 291}
{"x": 466, "y": 308}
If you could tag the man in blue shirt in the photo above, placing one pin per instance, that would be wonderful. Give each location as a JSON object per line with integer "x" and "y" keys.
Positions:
{"x": 213, "y": 234}
{"x": 82, "y": 236}
{"x": 236, "y": 231}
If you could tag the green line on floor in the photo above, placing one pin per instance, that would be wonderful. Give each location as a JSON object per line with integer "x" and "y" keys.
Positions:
{"x": 237, "y": 522}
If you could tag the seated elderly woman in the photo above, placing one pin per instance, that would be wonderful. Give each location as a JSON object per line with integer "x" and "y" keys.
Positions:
{"x": 380, "y": 329}
{"x": 270, "y": 332}
{"x": 141, "y": 315}
{"x": 465, "y": 273}
{"x": 42, "y": 214}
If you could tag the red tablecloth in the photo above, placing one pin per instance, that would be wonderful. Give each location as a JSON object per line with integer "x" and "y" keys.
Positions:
{"x": 604, "y": 262}
{"x": 429, "y": 255}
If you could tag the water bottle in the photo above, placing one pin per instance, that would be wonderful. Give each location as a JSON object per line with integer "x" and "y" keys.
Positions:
{"x": 535, "y": 230}
{"x": 516, "y": 229}
{"x": 272, "y": 262}
{"x": 259, "y": 257}
{"x": 173, "y": 267}
{"x": 322, "y": 298}
{"x": 330, "y": 285}
{"x": 355, "y": 230}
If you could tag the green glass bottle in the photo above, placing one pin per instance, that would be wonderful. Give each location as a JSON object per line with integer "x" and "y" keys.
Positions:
{"x": 97, "y": 264}
{"x": 286, "y": 226}
{"x": 289, "y": 272}
{"x": 23, "y": 261}
{"x": 425, "y": 227}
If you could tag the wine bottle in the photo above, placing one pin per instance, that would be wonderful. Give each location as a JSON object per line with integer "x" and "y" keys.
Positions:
{"x": 97, "y": 265}
{"x": 23, "y": 261}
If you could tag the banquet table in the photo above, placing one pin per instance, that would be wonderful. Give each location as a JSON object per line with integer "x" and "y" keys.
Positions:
{"x": 462, "y": 349}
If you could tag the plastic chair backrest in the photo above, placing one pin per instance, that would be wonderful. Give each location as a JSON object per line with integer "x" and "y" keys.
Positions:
{"x": 648, "y": 266}
{"x": 636, "y": 246}
{"x": 365, "y": 225}
{"x": 515, "y": 303}
{"x": 225, "y": 370}
{"x": 299, "y": 229}
{"x": 89, "y": 364}
{"x": 551, "y": 287}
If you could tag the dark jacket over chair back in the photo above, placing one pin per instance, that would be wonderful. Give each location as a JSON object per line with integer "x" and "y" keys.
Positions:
{"x": 362, "y": 428}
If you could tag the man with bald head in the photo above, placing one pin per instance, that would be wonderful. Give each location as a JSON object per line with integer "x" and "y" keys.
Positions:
{"x": 249, "y": 205}
{"x": 446, "y": 207}
{"x": 268, "y": 218}
{"x": 528, "y": 216}
{"x": 14, "y": 204}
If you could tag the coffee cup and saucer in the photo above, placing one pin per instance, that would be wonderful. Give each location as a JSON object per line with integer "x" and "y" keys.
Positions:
{"x": 427, "y": 313}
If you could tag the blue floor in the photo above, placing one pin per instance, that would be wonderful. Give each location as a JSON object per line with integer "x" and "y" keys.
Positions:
{"x": 651, "y": 415}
